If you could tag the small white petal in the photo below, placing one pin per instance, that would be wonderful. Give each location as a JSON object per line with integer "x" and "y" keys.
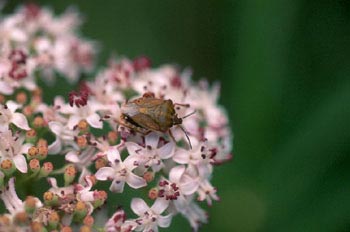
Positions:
{"x": 104, "y": 173}
{"x": 132, "y": 148}
{"x": 130, "y": 162}
{"x": 135, "y": 181}
{"x": 20, "y": 121}
{"x": 72, "y": 157}
{"x": 117, "y": 186}
{"x": 24, "y": 148}
{"x": 12, "y": 106}
{"x": 189, "y": 187}
{"x": 166, "y": 151}
{"x": 73, "y": 121}
{"x": 181, "y": 156}
{"x": 87, "y": 196}
{"x": 56, "y": 127}
{"x": 113, "y": 155}
{"x": 164, "y": 221}
{"x": 5, "y": 88}
{"x": 20, "y": 163}
{"x": 159, "y": 205}
{"x": 150, "y": 227}
{"x": 52, "y": 181}
{"x": 139, "y": 206}
{"x": 152, "y": 140}
{"x": 55, "y": 147}
{"x": 12, "y": 196}
{"x": 181, "y": 203}
{"x": 94, "y": 121}
{"x": 176, "y": 173}
{"x": 4, "y": 127}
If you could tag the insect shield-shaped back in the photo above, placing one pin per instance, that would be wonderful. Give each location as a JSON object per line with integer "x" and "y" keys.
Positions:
{"x": 148, "y": 113}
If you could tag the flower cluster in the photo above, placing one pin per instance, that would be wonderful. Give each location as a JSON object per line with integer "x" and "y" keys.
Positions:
{"x": 131, "y": 126}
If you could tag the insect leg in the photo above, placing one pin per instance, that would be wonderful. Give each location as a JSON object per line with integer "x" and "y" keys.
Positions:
{"x": 184, "y": 105}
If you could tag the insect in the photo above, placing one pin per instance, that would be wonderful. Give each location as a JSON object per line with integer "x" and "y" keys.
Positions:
{"x": 147, "y": 113}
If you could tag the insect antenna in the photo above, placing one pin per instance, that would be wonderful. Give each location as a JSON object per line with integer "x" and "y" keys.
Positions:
{"x": 192, "y": 113}
{"x": 186, "y": 133}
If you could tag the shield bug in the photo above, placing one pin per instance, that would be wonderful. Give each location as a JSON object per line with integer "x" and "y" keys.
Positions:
{"x": 147, "y": 113}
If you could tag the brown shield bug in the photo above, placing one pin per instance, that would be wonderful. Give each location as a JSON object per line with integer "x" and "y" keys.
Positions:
{"x": 147, "y": 113}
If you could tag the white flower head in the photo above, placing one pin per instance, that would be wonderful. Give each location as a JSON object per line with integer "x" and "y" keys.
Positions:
{"x": 118, "y": 223}
{"x": 151, "y": 155}
{"x": 177, "y": 187}
{"x": 120, "y": 172}
{"x": 12, "y": 148}
{"x": 9, "y": 115}
{"x": 150, "y": 217}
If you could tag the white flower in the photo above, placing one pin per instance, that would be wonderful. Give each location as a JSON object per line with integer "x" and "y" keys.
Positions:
{"x": 12, "y": 203}
{"x": 151, "y": 155}
{"x": 81, "y": 159}
{"x": 12, "y": 148}
{"x": 198, "y": 158}
{"x": 150, "y": 217}
{"x": 120, "y": 172}
{"x": 118, "y": 223}
{"x": 9, "y": 196}
{"x": 62, "y": 192}
{"x": 194, "y": 214}
{"x": 206, "y": 192}
{"x": 177, "y": 187}
{"x": 64, "y": 137}
{"x": 9, "y": 115}
{"x": 86, "y": 112}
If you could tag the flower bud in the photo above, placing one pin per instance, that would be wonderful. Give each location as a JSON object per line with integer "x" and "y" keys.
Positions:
{"x": 85, "y": 228}
{"x": 148, "y": 176}
{"x": 153, "y": 193}
{"x": 28, "y": 111}
{"x": 100, "y": 163}
{"x": 53, "y": 220}
{"x": 7, "y": 167}
{"x": 112, "y": 137}
{"x": 32, "y": 153}
{"x": 42, "y": 152}
{"x": 2, "y": 99}
{"x": 21, "y": 98}
{"x": 66, "y": 229}
{"x": 5, "y": 220}
{"x": 100, "y": 199}
{"x": 81, "y": 141}
{"x": 34, "y": 165}
{"x": 50, "y": 198}
{"x": 38, "y": 122}
{"x": 89, "y": 220}
{"x": 42, "y": 142}
{"x": 30, "y": 204}
{"x": 21, "y": 218}
{"x": 69, "y": 174}
{"x": 46, "y": 169}
{"x": 37, "y": 227}
{"x": 31, "y": 136}
{"x": 80, "y": 211}
{"x": 83, "y": 125}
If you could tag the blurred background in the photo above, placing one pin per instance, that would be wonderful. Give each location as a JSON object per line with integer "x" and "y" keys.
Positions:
{"x": 285, "y": 73}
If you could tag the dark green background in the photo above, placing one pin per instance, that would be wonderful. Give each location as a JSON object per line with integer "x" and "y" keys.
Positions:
{"x": 285, "y": 73}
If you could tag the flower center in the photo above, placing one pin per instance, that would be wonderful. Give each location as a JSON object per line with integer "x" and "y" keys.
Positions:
{"x": 168, "y": 190}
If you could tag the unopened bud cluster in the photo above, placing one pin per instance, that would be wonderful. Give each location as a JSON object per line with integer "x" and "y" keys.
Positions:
{"x": 113, "y": 128}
